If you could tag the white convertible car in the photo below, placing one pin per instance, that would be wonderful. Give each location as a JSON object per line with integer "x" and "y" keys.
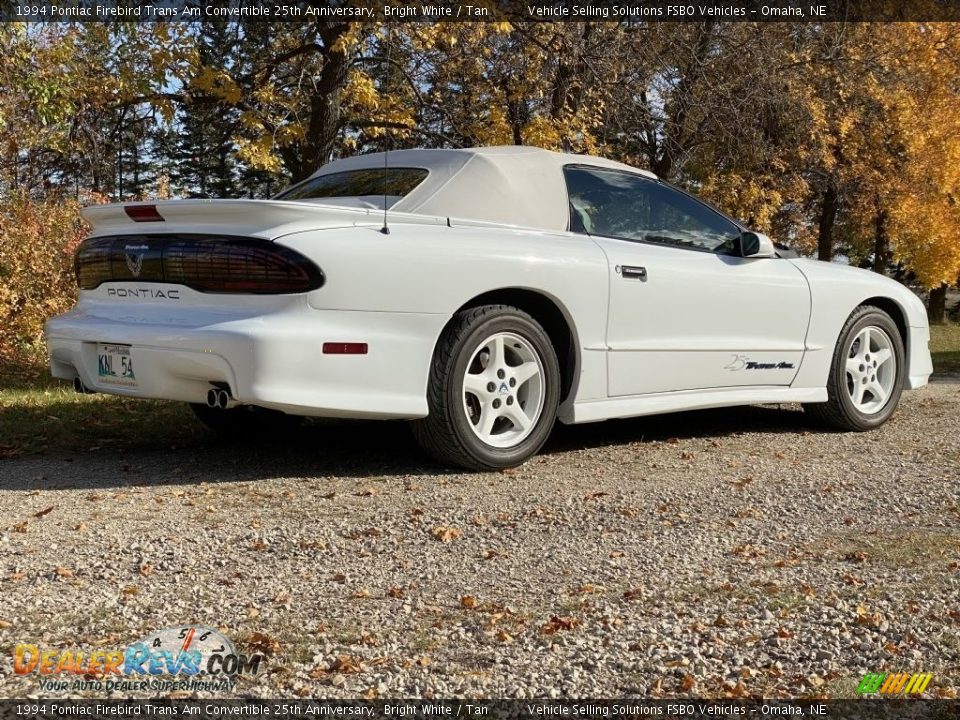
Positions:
{"x": 481, "y": 294}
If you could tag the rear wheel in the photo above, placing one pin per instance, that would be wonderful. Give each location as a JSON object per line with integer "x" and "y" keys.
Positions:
{"x": 245, "y": 421}
{"x": 866, "y": 376}
{"x": 493, "y": 391}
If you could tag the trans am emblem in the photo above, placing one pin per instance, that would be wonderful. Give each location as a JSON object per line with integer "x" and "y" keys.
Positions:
{"x": 135, "y": 260}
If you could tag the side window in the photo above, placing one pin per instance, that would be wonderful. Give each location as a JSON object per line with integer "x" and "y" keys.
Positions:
{"x": 617, "y": 204}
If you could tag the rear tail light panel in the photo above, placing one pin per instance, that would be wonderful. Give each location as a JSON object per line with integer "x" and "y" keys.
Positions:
{"x": 206, "y": 263}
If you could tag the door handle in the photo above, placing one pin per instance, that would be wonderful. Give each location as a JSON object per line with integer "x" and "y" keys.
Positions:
{"x": 633, "y": 272}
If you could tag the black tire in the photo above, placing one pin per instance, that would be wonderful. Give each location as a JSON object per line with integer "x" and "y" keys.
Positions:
{"x": 839, "y": 411}
{"x": 246, "y": 421}
{"x": 446, "y": 433}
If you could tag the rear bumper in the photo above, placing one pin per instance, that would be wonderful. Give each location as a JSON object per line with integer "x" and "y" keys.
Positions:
{"x": 919, "y": 364}
{"x": 273, "y": 360}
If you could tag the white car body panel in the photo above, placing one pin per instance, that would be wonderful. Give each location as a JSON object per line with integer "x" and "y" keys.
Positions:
{"x": 674, "y": 342}
{"x": 700, "y": 320}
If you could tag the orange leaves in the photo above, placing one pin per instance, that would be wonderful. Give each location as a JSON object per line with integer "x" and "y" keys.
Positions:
{"x": 446, "y": 534}
{"x": 557, "y": 624}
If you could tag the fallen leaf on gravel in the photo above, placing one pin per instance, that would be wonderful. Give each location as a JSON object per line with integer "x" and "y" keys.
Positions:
{"x": 362, "y": 593}
{"x": 340, "y": 578}
{"x": 81, "y": 527}
{"x": 318, "y": 673}
{"x": 856, "y": 557}
{"x": 63, "y": 572}
{"x": 423, "y": 661}
{"x": 557, "y": 624}
{"x": 346, "y": 664}
{"x": 784, "y": 634}
{"x": 366, "y": 492}
{"x": 504, "y": 637}
{"x": 852, "y": 580}
{"x": 595, "y": 495}
{"x": 21, "y": 527}
{"x": 252, "y": 613}
{"x": 738, "y": 690}
{"x": 446, "y": 534}
{"x": 45, "y": 511}
{"x": 258, "y": 546}
{"x": 146, "y": 570}
{"x": 686, "y": 685}
{"x": 395, "y": 592}
{"x": 5, "y": 624}
{"x": 617, "y": 554}
{"x": 130, "y": 591}
{"x": 368, "y": 533}
{"x": 741, "y": 483}
{"x": 281, "y": 598}
{"x": 490, "y": 554}
{"x": 748, "y": 551}
{"x": 587, "y": 588}
{"x": 262, "y": 643}
{"x": 16, "y": 577}
{"x": 685, "y": 455}
{"x": 468, "y": 601}
{"x": 328, "y": 496}
{"x": 721, "y": 621}
{"x": 891, "y": 648}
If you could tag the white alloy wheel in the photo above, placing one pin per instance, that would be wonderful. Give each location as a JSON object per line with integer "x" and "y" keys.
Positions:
{"x": 503, "y": 390}
{"x": 871, "y": 369}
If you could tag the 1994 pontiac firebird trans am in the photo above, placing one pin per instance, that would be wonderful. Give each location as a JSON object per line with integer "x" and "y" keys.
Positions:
{"x": 512, "y": 286}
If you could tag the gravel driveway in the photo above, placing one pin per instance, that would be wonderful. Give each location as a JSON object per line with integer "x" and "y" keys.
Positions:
{"x": 737, "y": 552}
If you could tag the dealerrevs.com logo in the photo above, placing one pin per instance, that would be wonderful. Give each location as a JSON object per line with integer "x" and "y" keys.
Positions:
{"x": 179, "y": 658}
{"x": 894, "y": 683}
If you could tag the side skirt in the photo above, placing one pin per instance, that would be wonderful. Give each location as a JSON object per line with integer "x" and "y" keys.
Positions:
{"x": 657, "y": 403}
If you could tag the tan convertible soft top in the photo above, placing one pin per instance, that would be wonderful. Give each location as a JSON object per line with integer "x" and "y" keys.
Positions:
{"x": 510, "y": 184}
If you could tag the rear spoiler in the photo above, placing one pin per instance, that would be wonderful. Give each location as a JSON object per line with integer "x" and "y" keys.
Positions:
{"x": 253, "y": 218}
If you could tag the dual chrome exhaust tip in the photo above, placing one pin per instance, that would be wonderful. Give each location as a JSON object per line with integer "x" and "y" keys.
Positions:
{"x": 218, "y": 398}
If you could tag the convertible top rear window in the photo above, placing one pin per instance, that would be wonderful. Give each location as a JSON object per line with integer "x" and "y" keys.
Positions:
{"x": 395, "y": 183}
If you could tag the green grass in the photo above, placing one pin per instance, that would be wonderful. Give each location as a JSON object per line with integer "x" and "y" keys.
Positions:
{"x": 39, "y": 414}
{"x": 945, "y": 347}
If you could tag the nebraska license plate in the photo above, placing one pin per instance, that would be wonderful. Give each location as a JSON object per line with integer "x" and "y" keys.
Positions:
{"x": 115, "y": 365}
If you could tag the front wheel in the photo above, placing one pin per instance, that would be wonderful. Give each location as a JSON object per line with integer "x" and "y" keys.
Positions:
{"x": 866, "y": 375}
{"x": 493, "y": 391}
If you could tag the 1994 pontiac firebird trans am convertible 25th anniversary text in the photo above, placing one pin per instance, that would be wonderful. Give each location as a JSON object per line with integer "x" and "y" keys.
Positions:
{"x": 510, "y": 287}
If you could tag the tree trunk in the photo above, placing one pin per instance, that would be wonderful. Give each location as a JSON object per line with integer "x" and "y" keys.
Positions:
{"x": 937, "y": 305}
{"x": 828, "y": 217}
{"x": 324, "y": 121}
{"x": 881, "y": 243}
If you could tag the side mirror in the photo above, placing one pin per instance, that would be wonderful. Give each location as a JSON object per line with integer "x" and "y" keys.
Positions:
{"x": 756, "y": 245}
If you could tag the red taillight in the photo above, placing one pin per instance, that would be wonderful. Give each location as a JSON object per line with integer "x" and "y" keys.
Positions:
{"x": 203, "y": 262}
{"x": 143, "y": 213}
{"x": 344, "y": 348}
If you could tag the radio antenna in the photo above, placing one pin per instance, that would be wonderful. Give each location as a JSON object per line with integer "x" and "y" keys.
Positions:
{"x": 386, "y": 149}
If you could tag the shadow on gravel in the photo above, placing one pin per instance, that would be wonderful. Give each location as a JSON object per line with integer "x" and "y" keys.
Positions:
{"x": 343, "y": 449}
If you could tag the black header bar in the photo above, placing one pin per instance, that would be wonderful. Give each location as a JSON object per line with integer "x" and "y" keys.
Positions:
{"x": 893, "y": 708}
{"x": 628, "y": 11}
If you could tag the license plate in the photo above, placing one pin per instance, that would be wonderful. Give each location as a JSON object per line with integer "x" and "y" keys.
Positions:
{"x": 115, "y": 365}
